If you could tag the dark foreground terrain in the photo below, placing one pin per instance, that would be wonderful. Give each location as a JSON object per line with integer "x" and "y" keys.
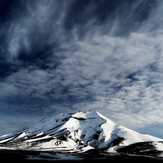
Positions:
{"x": 34, "y": 156}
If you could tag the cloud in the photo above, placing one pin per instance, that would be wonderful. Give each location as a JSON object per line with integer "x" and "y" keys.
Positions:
{"x": 53, "y": 64}
{"x": 110, "y": 70}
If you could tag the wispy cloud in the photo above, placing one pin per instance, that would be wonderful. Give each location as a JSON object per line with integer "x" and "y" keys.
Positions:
{"x": 55, "y": 64}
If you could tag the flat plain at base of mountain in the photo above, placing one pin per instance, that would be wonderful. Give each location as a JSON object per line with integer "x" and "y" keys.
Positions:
{"x": 35, "y": 156}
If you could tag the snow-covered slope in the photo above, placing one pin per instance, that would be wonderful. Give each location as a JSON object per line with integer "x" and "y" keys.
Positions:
{"x": 81, "y": 132}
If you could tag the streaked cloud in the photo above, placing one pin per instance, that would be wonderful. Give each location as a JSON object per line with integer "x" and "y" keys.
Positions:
{"x": 53, "y": 64}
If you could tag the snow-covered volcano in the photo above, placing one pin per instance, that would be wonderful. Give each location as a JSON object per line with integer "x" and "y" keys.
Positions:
{"x": 81, "y": 132}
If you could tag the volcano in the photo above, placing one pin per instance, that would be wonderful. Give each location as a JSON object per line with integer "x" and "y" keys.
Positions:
{"x": 82, "y": 132}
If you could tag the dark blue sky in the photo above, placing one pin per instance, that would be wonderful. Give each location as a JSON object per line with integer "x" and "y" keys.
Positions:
{"x": 65, "y": 56}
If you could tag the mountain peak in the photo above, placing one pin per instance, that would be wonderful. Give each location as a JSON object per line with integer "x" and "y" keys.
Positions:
{"x": 86, "y": 115}
{"x": 79, "y": 132}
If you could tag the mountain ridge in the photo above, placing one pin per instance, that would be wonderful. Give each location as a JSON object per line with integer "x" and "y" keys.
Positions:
{"x": 81, "y": 132}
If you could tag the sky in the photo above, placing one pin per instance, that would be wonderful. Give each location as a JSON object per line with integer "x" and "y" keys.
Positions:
{"x": 61, "y": 56}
